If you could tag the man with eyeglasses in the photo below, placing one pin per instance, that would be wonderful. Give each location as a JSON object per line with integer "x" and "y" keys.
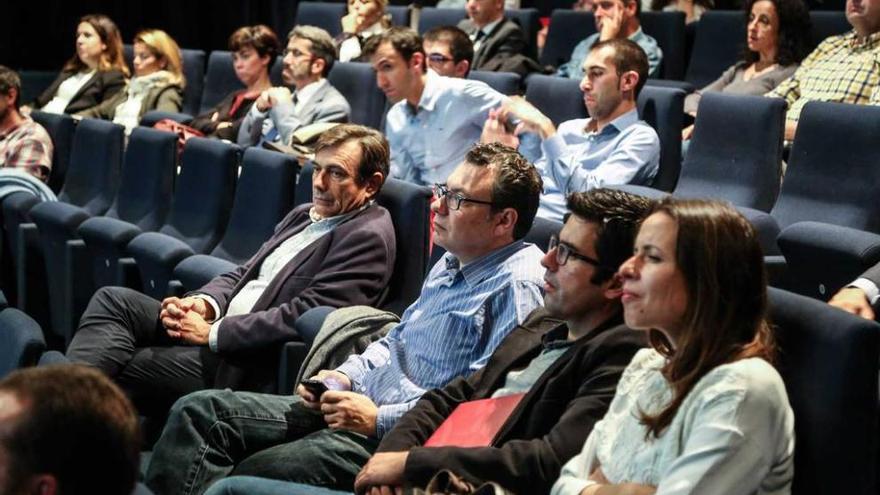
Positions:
{"x": 337, "y": 251}
{"x": 564, "y": 362}
{"x": 485, "y": 284}
{"x": 278, "y": 113}
{"x": 448, "y": 51}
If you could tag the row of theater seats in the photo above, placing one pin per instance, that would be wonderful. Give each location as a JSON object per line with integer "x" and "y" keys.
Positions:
{"x": 828, "y": 361}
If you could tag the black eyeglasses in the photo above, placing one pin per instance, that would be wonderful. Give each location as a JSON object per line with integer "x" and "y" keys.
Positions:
{"x": 564, "y": 251}
{"x": 454, "y": 200}
{"x": 439, "y": 58}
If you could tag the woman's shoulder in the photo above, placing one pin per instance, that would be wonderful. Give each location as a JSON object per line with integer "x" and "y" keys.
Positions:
{"x": 752, "y": 380}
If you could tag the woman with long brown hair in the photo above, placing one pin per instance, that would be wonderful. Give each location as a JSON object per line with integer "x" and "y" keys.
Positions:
{"x": 94, "y": 74}
{"x": 703, "y": 410}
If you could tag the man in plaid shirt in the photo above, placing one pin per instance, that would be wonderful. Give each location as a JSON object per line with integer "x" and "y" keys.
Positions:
{"x": 843, "y": 68}
{"x": 24, "y": 143}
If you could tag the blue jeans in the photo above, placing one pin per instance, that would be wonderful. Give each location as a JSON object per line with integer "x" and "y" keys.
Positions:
{"x": 214, "y": 433}
{"x": 250, "y": 485}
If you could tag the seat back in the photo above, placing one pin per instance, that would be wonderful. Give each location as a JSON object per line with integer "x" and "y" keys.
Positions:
{"x": 558, "y": 98}
{"x": 827, "y": 23}
{"x": 663, "y": 109}
{"x": 204, "y": 193}
{"x": 263, "y": 196}
{"x": 93, "y": 173}
{"x": 220, "y": 79}
{"x": 730, "y": 158}
{"x": 431, "y": 17}
{"x": 668, "y": 29}
{"x": 147, "y": 178}
{"x": 399, "y": 14}
{"x": 325, "y": 15}
{"x": 357, "y": 82}
{"x": 304, "y": 185}
{"x": 541, "y": 231}
{"x": 833, "y": 170}
{"x": 61, "y": 129}
{"x": 567, "y": 29}
{"x": 194, "y": 71}
{"x": 507, "y": 83}
{"x": 828, "y": 361}
{"x": 529, "y": 20}
{"x": 21, "y": 341}
{"x": 720, "y": 35}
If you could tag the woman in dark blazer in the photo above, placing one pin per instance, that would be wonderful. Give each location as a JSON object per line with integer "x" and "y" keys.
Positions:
{"x": 93, "y": 75}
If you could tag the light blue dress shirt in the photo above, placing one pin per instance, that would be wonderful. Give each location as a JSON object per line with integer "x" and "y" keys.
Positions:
{"x": 429, "y": 142}
{"x": 574, "y": 68}
{"x": 626, "y": 151}
{"x": 460, "y": 317}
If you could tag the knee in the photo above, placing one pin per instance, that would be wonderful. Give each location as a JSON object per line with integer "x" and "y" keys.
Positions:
{"x": 198, "y": 408}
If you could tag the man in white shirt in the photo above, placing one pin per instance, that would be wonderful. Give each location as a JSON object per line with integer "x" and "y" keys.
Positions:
{"x": 278, "y": 113}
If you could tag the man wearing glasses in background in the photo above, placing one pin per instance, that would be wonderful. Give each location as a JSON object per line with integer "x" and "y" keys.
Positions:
{"x": 487, "y": 283}
{"x": 278, "y": 113}
{"x": 565, "y": 361}
{"x": 449, "y": 51}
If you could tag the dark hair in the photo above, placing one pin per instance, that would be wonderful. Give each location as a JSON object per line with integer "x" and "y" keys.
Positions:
{"x": 10, "y": 80}
{"x": 793, "y": 38}
{"x": 460, "y": 45}
{"x": 404, "y": 40}
{"x": 112, "y": 58}
{"x": 261, "y": 38}
{"x": 375, "y": 154}
{"x": 322, "y": 44}
{"x": 721, "y": 261}
{"x": 617, "y": 215}
{"x": 77, "y": 426}
{"x": 660, "y": 4}
{"x": 628, "y": 56}
{"x": 517, "y": 183}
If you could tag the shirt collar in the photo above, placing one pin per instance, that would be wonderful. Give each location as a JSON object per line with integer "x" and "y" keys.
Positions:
{"x": 308, "y": 91}
{"x": 620, "y": 123}
{"x": 430, "y": 93}
{"x": 24, "y": 120}
{"x": 480, "y": 268}
{"x": 870, "y": 41}
{"x": 316, "y": 218}
{"x": 638, "y": 34}
{"x": 487, "y": 29}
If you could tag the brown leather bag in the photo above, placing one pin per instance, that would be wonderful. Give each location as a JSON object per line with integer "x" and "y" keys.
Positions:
{"x": 183, "y": 131}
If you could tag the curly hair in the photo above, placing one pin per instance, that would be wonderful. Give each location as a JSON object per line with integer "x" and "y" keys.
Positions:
{"x": 793, "y": 38}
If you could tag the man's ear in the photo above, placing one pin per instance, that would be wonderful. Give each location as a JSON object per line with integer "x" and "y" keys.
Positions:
{"x": 417, "y": 60}
{"x": 506, "y": 221}
{"x": 373, "y": 184}
{"x": 628, "y": 81}
{"x": 613, "y": 289}
{"x": 461, "y": 68}
{"x": 318, "y": 65}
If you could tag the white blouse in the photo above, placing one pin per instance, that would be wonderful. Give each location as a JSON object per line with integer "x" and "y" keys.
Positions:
{"x": 733, "y": 433}
{"x": 66, "y": 91}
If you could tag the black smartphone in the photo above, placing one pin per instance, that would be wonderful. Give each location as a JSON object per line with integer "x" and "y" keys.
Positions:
{"x": 315, "y": 387}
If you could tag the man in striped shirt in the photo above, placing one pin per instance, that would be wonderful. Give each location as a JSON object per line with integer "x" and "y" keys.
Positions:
{"x": 843, "y": 68}
{"x": 485, "y": 285}
{"x": 24, "y": 144}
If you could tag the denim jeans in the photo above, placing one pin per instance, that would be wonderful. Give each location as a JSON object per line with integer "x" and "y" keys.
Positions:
{"x": 250, "y": 485}
{"x": 214, "y": 433}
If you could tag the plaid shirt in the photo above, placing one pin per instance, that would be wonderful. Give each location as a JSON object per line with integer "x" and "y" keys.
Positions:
{"x": 840, "y": 69}
{"x": 28, "y": 147}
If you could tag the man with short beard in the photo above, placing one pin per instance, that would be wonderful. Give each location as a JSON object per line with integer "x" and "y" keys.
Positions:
{"x": 24, "y": 144}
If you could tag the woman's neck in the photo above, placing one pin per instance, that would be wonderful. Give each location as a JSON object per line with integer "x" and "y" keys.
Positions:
{"x": 260, "y": 85}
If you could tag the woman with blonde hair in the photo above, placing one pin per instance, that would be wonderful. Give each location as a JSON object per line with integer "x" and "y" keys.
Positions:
{"x": 94, "y": 74}
{"x": 157, "y": 83}
{"x": 703, "y": 410}
{"x": 365, "y": 18}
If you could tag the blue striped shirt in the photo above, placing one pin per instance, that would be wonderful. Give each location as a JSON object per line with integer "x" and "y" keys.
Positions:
{"x": 451, "y": 330}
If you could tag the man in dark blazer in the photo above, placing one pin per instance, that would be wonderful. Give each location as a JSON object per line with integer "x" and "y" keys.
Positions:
{"x": 860, "y": 296}
{"x": 337, "y": 251}
{"x": 566, "y": 358}
{"x": 499, "y": 43}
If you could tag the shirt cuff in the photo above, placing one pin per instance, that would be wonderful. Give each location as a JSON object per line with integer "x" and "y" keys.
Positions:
{"x": 353, "y": 372}
{"x": 257, "y": 113}
{"x": 211, "y": 302}
{"x": 870, "y": 289}
{"x": 388, "y": 416}
{"x": 212, "y": 335}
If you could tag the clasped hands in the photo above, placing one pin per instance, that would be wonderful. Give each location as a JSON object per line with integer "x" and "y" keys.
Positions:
{"x": 187, "y": 319}
{"x": 527, "y": 118}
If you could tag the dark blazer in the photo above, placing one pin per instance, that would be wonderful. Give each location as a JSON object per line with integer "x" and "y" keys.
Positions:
{"x": 204, "y": 123}
{"x": 101, "y": 87}
{"x": 873, "y": 274}
{"x": 505, "y": 41}
{"x": 352, "y": 265}
{"x": 547, "y": 428}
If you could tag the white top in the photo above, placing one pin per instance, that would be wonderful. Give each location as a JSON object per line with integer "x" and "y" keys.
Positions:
{"x": 66, "y": 91}
{"x": 733, "y": 434}
{"x": 350, "y": 49}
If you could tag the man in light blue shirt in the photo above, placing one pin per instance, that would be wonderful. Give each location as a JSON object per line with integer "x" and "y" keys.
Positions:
{"x": 486, "y": 284}
{"x": 435, "y": 119}
{"x": 612, "y": 147}
{"x": 615, "y": 19}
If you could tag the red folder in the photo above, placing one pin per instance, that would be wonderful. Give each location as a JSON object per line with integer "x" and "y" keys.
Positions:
{"x": 474, "y": 423}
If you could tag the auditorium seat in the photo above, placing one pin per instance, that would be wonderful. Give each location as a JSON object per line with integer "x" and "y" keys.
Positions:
{"x": 194, "y": 72}
{"x": 431, "y": 17}
{"x": 21, "y": 341}
{"x": 567, "y": 29}
{"x": 60, "y": 129}
{"x": 399, "y": 15}
{"x": 324, "y": 15}
{"x": 357, "y": 82}
{"x": 263, "y": 197}
{"x": 142, "y": 198}
{"x": 828, "y": 361}
{"x": 558, "y": 98}
{"x": 663, "y": 109}
{"x": 827, "y": 23}
{"x": 720, "y": 35}
{"x": 507, "y": 83}
{"x": 199, "y": 212}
